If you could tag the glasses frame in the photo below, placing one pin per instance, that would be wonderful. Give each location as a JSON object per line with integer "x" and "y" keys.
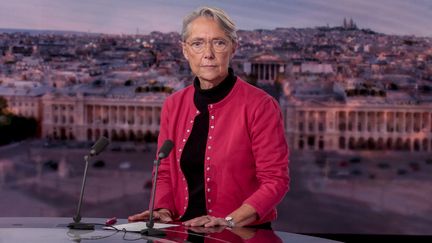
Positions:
{"x": 206, "y": 43}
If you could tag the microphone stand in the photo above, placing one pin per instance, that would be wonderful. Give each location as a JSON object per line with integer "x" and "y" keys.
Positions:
{"x": 77, "y": 218}
{"x": 150, "y": 231}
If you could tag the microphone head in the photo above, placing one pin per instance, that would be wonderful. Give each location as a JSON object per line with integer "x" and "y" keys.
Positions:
{"x": 165, "y": 149}
{"x": 99, "y": 146}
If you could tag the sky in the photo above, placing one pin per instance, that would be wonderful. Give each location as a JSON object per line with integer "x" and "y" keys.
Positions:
{"x": 400, "y": 17}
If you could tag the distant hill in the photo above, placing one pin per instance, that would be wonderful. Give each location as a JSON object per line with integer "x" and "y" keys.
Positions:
{"x": 45, "y": 32}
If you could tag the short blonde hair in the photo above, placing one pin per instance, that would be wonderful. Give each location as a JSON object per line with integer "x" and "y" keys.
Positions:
{"x": 225, "y": 22}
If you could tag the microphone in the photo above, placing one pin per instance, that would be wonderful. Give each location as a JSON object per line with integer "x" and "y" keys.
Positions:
{"x": 165, "y": 149}
{"x": 163, "y": 153}
{"x": 97, "y": 148}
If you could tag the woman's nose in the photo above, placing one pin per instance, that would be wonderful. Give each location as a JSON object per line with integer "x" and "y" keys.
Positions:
{"x": 208, "y": 50}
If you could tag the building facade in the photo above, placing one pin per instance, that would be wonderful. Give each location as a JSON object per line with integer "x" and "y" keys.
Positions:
{"x": 330, "y": 126}
{"x": 86, "y": 118}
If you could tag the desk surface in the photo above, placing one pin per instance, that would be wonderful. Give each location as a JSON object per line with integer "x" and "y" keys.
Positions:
{"x": 22, "y": 229}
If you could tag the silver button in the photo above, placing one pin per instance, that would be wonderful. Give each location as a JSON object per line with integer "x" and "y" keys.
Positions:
{"x": 208, "y": 167}
{"x": 208, "y": 189}
{"x": 188, "y": 130}
{"x": 211, "y": 127}
{"x": 191, "y": 121}
{"x": 186, "y": 198}
{"x": 212, "y": 117}
{"x": 180, "y": 149}
{"x": 184, "y": 179}
{"x": 184, "y": 139}
{"x": 208, "y": 200}
{"x": 186, "y": 188}
{"x": 197, "y": 112}
{"x": 208, "y": 158}
{"x": 209, "y": 147}
{"x": 210, "y": 137}
{"x": 208, "y": 179}
{"x": 210, "y": 210}
{"x": 211, "y": 106}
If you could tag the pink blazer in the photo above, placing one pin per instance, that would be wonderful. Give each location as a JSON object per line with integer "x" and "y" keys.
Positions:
{"x": 246, "y": 158}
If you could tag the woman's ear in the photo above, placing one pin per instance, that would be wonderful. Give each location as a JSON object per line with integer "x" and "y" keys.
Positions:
{"x": 234, "y": 49}
{"x": 185, "y": 52}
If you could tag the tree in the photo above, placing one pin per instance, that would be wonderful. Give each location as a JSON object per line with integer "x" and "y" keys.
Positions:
{"x": 3, "y": 105}
{"x": 14, "y": 128}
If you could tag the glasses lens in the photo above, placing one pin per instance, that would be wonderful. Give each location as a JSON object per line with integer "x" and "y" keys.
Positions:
{"x": 197, "y": 46}
{"x": 219, "y": 45}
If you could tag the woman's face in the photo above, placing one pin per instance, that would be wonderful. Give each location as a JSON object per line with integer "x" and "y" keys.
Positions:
{"x": 209, "y": 51}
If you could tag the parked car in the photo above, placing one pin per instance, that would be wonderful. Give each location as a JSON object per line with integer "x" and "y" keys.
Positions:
{"x": 355, "y": 160}
{"x": 401, "y": 171}
{"x": 383, "y": 165}
{"x": 414, "y": 166}
{"x": 51, "y": 165}
{"x": 99, "y": 164}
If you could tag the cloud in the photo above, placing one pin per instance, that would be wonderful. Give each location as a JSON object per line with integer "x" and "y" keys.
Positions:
{"x": 128, "y": 16}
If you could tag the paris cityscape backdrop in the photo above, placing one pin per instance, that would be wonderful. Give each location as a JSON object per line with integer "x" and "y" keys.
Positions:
{"x": 353, "y": 80}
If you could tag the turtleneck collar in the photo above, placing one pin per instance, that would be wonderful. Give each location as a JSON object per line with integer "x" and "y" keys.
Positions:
{"x": 204, "y": 97}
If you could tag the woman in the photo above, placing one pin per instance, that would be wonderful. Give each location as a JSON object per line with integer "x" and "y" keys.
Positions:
{"x": 229, "y": 165}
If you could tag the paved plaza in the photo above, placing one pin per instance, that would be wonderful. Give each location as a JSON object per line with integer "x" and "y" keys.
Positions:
{"x": 337, "y": 194}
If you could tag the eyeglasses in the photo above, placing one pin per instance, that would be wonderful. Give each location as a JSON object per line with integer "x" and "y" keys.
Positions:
{"x": 198, "y": 46}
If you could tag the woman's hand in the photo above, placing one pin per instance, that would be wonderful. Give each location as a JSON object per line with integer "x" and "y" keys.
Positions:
{"x": 162, "y": 215}
{"x": 206, "y": 221}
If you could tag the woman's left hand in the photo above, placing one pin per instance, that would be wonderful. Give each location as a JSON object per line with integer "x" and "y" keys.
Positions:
{"x": 206, "y": 221}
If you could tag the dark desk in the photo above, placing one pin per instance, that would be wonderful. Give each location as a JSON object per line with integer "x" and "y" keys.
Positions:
{"x": 54, "y": 230}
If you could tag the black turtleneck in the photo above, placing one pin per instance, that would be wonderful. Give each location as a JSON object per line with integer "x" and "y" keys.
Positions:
{"x": 192, "y": 159}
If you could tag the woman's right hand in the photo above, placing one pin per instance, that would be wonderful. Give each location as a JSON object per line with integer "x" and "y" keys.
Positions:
{"x": 163, "y": 215}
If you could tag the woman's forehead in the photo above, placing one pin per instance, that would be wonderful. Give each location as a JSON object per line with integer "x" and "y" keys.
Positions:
{"x": 205, "y": 27}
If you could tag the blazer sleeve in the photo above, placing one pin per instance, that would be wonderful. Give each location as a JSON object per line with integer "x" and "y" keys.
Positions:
{"x": 270, "y": 151}
{"x": 164, "y": 197}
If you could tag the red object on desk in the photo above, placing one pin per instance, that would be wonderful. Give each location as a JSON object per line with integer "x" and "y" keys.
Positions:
{"x": 111, "y": 221}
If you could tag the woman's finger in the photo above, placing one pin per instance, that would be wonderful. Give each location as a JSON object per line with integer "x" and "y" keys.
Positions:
{"x": 215, "y": 222}
{"x": 164, "y": 217}
{"x": 198, "y": 221}
{"x": 139, "y": 217}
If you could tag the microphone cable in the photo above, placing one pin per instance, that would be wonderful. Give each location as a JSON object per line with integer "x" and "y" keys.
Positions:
{"x": 95, "y": 237}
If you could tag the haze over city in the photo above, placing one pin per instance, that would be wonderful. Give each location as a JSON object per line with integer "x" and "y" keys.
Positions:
{"x": 356, "y": 100}
{"x": 136, "y": 16}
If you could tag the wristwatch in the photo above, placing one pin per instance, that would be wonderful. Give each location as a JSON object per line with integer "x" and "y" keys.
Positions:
{"x": 230, "y": 221}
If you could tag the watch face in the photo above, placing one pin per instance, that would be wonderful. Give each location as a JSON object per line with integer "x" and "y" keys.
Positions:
{"x": 230, "y": 221}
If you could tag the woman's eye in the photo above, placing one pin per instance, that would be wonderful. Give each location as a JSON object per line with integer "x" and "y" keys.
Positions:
{"x": 220, "y": 43}
{"x": 196, "y": 44}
